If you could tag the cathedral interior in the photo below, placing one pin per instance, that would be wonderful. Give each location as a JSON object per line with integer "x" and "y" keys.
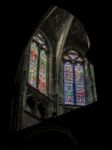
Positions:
{"x": 56, "y": 89}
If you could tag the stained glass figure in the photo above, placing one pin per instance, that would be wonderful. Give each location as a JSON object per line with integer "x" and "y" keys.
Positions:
{"x": 68, "y": 84}
{"x": 43, "y": 72}
{"x": 79, "y": 84}
{"x": 33, "y": 65}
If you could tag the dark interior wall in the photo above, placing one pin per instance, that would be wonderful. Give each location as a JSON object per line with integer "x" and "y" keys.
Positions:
{"x": 18, "y": 22}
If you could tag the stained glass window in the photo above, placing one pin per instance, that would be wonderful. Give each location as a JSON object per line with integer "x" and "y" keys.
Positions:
{"x": 74, "y": 84}
{"x": 32, "y": 78}
{"x": 38, "y": 64}
{"x": 43, "y": 72}
{"x": 68, "y": 84}
{"x": 72, "y": 55}
{"x": 79, "y": 84}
